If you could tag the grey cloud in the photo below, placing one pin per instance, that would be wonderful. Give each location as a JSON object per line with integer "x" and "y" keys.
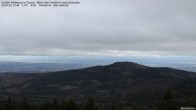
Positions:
{"x": 101, "y": 27}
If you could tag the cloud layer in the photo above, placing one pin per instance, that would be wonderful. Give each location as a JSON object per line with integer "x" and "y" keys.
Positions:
{"x": 101, "y": 27}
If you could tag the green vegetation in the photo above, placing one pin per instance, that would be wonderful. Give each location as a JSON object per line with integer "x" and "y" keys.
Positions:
{"x": 167, "y": 102}
{"x": 119, "y": 86}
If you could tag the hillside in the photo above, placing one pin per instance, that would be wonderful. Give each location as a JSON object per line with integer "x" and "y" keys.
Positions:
{"x": 121, "y": 80}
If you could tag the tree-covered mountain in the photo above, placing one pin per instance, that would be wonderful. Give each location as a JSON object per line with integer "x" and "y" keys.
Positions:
{"x": 118, "y": 81}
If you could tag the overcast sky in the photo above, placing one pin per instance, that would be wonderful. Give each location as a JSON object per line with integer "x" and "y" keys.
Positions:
{"x": 101, "y": 27}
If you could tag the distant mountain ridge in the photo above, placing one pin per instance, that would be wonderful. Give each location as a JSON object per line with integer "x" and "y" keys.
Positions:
{"x": 120, "y": 80}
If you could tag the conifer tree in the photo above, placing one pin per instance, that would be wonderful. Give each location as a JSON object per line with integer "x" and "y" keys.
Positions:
{"x": 9, "y": 104}
{"x": 90, "y": 104}
{"x": 70, "y": 104}
{"x": 25, "y": 104}
{"x": 168, "y": 102}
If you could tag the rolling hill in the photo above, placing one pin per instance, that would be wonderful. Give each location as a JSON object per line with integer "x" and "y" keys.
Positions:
{"x": 118, "y": 81}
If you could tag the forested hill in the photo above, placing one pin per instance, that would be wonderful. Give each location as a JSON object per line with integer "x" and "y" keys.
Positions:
{"x": 120, "y": 80}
